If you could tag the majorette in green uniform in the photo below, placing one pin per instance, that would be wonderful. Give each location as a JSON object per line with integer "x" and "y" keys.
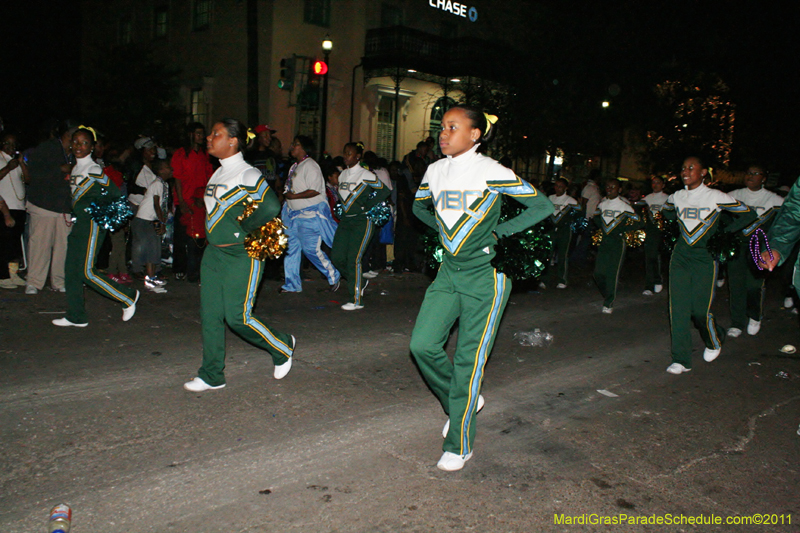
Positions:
{"x": 692, "y": 271}
{"x": 89, "y": 184}
{"x": 230, "y": 276}
{"x": 359, "y": 191}
{"x": 465, "y": 190}
{"x": 745, "y": 283}
{"x": 614, "y": 217}
{"x": 653, "y": 282}
{"x": 566, "y": 210}
{"x": 784, "y": 234}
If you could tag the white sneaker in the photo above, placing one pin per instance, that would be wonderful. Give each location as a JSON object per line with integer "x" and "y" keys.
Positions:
{"x": 282, "y": 370}
{"x": 7, "y": 284}
{"x": 647, "y": 292}
{"x": 658, "y": 288}
{"x": 561, "y": 286}
{"x": 155, "y": 281}
{"x": 451, "y": 462}
{"x": 733, "y": 332}
{"x": 16, "y": 280}
{"x": 128, "y": 312}
{"x": 30, "y": 289}
{"x": 788, "y": 302}
{"x": 157, "y": 290}
{"x": 608, "y": 310}
{"x": 366, "y": 284}
{"x": 446, "y": 427}
{"x": 677, "y": 368}
{"x": 350, "y": 306}
{"x": 753, "y": 327}
{"x": 63, "y": 322}
{"x": 198, "y": 385}
{"x": 720, "y": 282}
{"x": 370, "y": 274}
{"x": 709, "y": 354}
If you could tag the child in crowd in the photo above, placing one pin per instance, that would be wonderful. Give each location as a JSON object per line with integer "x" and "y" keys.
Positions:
{"x": 612, "y": 216}
{"x": 148, "y": 226}
{"x": 460, "y": 197}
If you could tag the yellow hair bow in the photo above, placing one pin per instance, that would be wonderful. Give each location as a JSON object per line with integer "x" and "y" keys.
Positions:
{"x": 491, "y": 120}
{"x": 250, "y": 135}
{"x": 89, "y": 128}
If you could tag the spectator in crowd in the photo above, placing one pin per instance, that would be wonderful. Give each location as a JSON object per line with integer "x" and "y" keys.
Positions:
{"x": 261, "y": 155}
{"x": 331, "y": 173}
{"x": 416, "y": 163}
{"x": 12, "y": 207}
{"x": 307, "y": 218}
{"x": 148, "y": 226}
{"x": 191, "y": 168}
{"x": 49, "y": 204}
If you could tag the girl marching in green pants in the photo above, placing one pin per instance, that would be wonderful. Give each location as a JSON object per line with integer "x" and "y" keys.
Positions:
{"x": 359, "y": 191}
{"x": 746, "y": 286}
{"x": 612, "y": 216}
{"x": 692, "y": 270}
{"x": 231, "y": 277}
{"x": 88, "y": 184}
{"x": 464, "y": 191}
{"x": 566, "y": 208}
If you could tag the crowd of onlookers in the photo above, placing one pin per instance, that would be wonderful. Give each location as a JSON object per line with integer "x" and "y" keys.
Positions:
{"x": 165, "y": 186}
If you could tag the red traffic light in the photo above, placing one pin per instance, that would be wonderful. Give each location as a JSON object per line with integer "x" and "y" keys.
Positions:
{"x": 320, "y": 68}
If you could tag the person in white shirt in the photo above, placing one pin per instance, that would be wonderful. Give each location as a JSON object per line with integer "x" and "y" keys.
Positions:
{"x": 148, "y": 227}
{"x": 654, "y": 282}
{"x": 307, "y": 217}
{"x": 746, "y": 286}
{"x": 12, "y": 207}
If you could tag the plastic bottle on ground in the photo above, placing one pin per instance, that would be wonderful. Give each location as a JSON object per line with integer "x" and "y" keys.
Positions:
{"x": 60, "y": 519}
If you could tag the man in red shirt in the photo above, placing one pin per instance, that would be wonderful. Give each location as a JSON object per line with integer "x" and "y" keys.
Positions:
{"x": 192, "y": 169}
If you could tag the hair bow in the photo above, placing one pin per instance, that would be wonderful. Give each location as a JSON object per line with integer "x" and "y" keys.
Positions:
{"x": 91, "y": 129}
{"x": 491, "y": 120}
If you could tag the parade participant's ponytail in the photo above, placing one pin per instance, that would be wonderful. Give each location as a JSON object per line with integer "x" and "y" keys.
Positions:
{"x": 238, "y": 130}
{"x": 480, "y": 120}
{"x": 359, "y": 147}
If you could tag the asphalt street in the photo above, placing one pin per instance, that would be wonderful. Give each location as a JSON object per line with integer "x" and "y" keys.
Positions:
{"x": 591, "y": 428}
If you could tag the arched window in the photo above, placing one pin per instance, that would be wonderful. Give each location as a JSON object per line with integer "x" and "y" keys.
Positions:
{"x": 437, "y": 112}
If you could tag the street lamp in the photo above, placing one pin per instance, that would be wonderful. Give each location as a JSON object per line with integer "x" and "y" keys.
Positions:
{"x": 327, "y": 46}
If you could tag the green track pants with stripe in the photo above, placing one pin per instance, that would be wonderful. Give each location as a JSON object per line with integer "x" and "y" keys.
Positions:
{"x": 746, "y": 288}
{"x": 610, "y": 256}
{"x": 562, "y": 237}
{"x": 692, "y": 280}
{"x": 476, "y": 297}
{"x": 652, "y": 257}
{"x": 230, "y": 282}
{"x": 349, "y": 243}
{"x": 83, "y": 243}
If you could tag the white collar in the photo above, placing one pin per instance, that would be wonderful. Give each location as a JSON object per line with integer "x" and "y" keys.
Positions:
{"x": 230, "y": 162}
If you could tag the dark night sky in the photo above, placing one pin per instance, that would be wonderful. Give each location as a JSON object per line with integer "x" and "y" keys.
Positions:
{"x": 754, "y": 48}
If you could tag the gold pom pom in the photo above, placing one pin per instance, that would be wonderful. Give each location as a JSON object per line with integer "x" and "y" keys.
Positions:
{"x": 597, "y": 237}
{"x": 267, "y": 242}
{"x": 658, "y": 218}
{"x": 635, "y": 238}
{"x": 249, "y": 207}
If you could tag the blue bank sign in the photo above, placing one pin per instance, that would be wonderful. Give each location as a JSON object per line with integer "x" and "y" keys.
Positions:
{"x": 456, "y": 8}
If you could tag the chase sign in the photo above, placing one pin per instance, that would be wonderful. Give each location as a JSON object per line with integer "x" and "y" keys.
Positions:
{"x": 455, "y": 8}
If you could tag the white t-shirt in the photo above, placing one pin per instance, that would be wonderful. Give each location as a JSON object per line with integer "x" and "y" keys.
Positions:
{"x": 144, "y": 179}
{"x": 12, "y": 188}
{"x": 307, "y": 176}
{"x": 592, "y": 194}
{"x": 147, "y": 210}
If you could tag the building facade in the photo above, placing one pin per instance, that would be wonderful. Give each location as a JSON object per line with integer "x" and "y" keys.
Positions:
{"x": 394, "y": 68}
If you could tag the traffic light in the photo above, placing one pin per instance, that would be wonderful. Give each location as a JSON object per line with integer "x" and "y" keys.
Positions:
{"x": 319, "y": 68}
{"x": 287, "y": 73}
